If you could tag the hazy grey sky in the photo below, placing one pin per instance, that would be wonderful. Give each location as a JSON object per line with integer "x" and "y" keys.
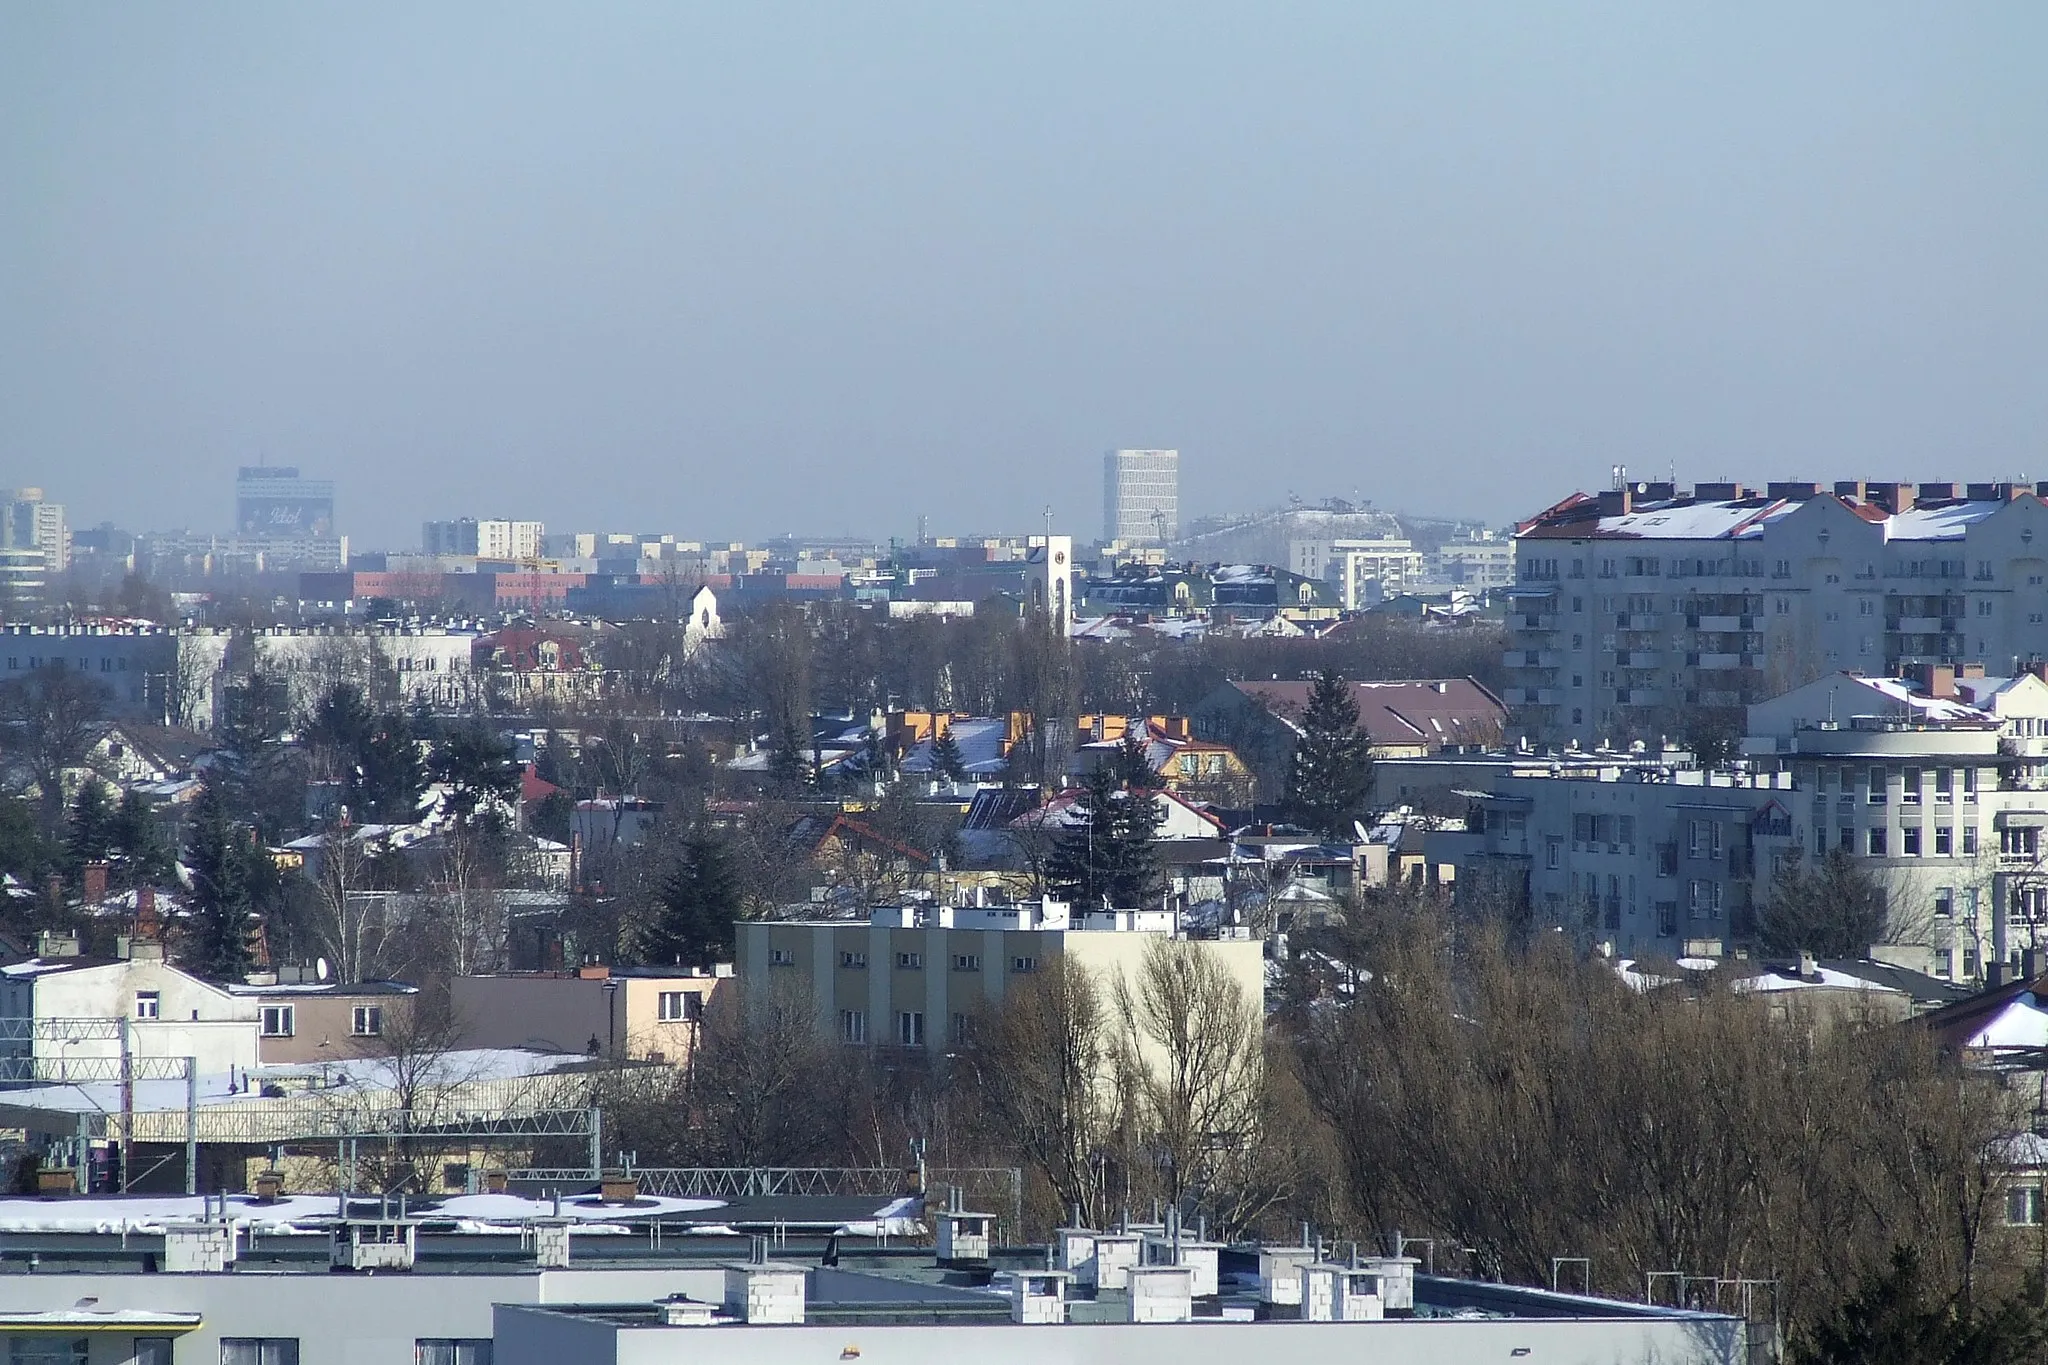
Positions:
{"x": 735, "y": 269}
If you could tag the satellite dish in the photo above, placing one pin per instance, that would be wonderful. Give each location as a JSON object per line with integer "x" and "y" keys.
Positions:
{"x": 320, "y": 968}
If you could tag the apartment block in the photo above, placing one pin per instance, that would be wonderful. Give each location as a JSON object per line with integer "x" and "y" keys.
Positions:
{"x": 1364, "y": 572}
{"x": 917, "y": 976}
{"x": 1637, "y": 605}
{"x": 1480, "y": 560}
{"x": 489, "y": 538}
{"x": 1937, "y": 785}
{"x": 33, "y": 522}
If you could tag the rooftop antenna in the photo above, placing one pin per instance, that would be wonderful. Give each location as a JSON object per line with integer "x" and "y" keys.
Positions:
{"x": 1048, "y": 523}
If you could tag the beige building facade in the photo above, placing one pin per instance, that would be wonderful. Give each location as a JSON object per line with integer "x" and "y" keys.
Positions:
{"x": 916, "y": 976}
{"x": 646, "y": 1014}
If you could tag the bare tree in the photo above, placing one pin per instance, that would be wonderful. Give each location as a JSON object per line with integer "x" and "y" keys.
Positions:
{"x": 1192, "y": 1060}
{"x": 348, "y": 922}
{"x": 1043, "y": 1063}
{"x": 54, "y": 715}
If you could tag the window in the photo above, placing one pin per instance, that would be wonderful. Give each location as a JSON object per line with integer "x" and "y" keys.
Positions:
{"x": 279, "y": 1021}
{"x": 910, "y": 962}
{"x": 1667, "y": 918}
{"x": 1023, "y": 964}
{"x": 1875, "y": 848}
{"x": 1944, "y": 901}
{"x": 781, "y": 957}
{"x": 1944, "y": 841}
{"x": 1876, "y": 793}
{"x": 1910, "y": 794}
{"x": 1970, "y": 963}
{"x": 910, "y": 1028}
{"x": 152, "y": 1351}
{"x": 854, "y": 960}
{"x": 1910, "y": 841}
{"x": 259, "y": 1351}
{"x": 1553, "y": 853}
{"x": 367, "y": 1021}
{"x": 963, "y": 1028}
{"x": 1944, "y": 785}
{"x": 679, "y": 1006}
{"x": 452, "y": 1351}
{"x": 148, "y": 1004}
{"x": 1969, "y": 839}
{"x": 1944, "y": 963}
{"x": 2023, "y": 1206}
{"x": 853, "y": 1026}
{"x": 1969, "y": 784}
{"x": 37, "y": 1350}
{"x": 967, "y": 962}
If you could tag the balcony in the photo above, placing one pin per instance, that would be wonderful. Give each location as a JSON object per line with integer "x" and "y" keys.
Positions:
{"x": 1721, "y": 661}
{"x": 1723, "y": 624}
{"x": 1639, "y": 658}
{"x": 1532, "y": 658}
{"x": 1925, "y": 625}
{"x": 1638, "y": 696}
{"x": 1540, "y": 621}
{"x": 1639, "y": 620}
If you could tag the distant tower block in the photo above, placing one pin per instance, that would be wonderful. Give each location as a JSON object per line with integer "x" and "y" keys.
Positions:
{"x": 1051, "y": 579}
{"x": 1141, "y": 496}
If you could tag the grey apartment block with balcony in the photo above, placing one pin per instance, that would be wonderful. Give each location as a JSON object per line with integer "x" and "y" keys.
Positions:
{"x": 1646, "y": 860}
{"x": 1636, "y": 608}
{"x": 1936, "y": 785}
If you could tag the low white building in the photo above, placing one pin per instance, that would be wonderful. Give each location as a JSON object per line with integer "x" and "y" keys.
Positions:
{"x": 63, "y": 1016}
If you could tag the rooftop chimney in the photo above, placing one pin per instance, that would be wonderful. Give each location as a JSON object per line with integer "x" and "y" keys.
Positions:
{"x": 1937, "y": 492}
{"x": 1794, "y": 491}
{"x": 1719, "y": 492}
{"x": 1809, "y": 968}
{"x": 1852, "y": 489}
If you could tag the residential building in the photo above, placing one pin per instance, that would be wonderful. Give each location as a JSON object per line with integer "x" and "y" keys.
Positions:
{"x": 649, "y": 1014}
{"x": 29, "y": 521}
{"x": 1194, "y": 769}
{"x": 1640, "y": 605}
{"x": 1644, "y": 860}
{"x": 1937, "y": 787}
{"x": 489, "y": 538}
{"x": 917, "y": 976}
{"x": 1260, "y": 720}
{"x": 309, "y": 1020}
{"x": 64, "y": 1015}
{"x": 1141, "y": 496}
{"x": 138, "y": 665}
{"x": 1363, "y": 572}
{"x": 1481, "y": 560}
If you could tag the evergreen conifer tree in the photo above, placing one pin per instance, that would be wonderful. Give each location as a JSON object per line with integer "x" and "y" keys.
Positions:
{"x": 692, "y": 925}
{"x": 88, "y": 830}
{"x": 947, "y": 758}
{"x": 217, "y": 946}
{"x": 1109, "y": 854}
{"x": 1329, "y": 781}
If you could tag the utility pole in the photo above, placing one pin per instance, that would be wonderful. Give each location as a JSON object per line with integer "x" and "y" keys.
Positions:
{"x": 127, "y": 1097}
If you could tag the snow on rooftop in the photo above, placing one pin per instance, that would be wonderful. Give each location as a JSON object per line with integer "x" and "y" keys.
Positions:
{"x": 1944, "y": 522}
{"x": 336, "y": 1080}
{"x": 2022, "y": 1023}
{"x": 315, "y": 1213}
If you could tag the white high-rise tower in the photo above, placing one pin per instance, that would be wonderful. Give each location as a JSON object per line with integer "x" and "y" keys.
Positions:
{"x": 1141, "y": 496}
